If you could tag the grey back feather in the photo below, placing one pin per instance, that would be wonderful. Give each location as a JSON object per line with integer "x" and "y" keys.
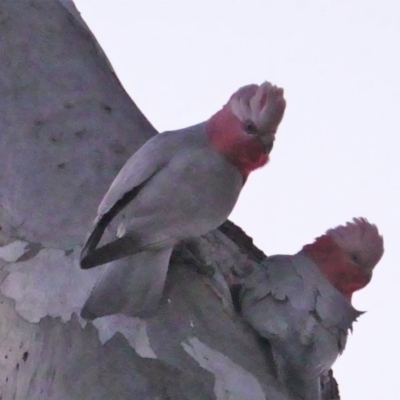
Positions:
{"x": 152, "y": 156}
{"x": 176, "y": 186}
{"x": 288, "y": 301}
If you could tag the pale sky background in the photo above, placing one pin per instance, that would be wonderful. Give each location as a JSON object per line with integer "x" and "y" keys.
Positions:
{"x": 336, "y": 153}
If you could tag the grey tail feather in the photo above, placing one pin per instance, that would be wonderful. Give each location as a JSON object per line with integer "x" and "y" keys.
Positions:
{"x": 131, "y": 286}
{"x": 97, "y": 233}
{"x": 298, "y": 381}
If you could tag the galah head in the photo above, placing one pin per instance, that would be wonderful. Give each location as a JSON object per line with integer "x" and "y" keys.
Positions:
{"x": 348, "y": 254}
{"x": 244, "y": 130}
{"x": 361, "y": 241}
{"x": 260, "y": 110}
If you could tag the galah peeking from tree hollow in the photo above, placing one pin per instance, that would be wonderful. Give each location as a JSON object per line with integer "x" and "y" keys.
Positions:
{"x": 302, "y": 303}
{"x": 180, "y": 184}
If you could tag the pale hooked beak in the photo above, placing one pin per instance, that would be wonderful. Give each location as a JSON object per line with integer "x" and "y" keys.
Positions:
{"x": 267, "y": 141}
{"x": 368, "y": 274}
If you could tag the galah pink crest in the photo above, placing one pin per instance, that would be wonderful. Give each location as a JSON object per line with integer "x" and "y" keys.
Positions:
{"x": 180, "y": 184}
{"x": 302, "y": 303}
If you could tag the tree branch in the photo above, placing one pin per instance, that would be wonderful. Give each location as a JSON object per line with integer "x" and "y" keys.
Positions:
{"x": 67, "y": 126}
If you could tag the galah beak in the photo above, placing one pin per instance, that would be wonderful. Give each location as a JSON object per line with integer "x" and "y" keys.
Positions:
{"x": 268, "y": 141}
{"x": 368, "y": 274}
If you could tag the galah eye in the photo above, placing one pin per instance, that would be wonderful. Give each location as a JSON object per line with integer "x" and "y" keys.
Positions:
{"x": 355, "y": 257}
{"x": 250, "y": 127}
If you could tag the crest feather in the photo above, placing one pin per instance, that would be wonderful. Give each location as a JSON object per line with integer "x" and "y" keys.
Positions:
{"x": 264, "y": 105}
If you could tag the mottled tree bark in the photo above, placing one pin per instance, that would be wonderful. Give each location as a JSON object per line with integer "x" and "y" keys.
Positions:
{"x": 66, "y": 128}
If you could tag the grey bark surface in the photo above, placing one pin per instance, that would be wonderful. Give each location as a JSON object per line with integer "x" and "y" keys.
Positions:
{"x": 66, "y": 128}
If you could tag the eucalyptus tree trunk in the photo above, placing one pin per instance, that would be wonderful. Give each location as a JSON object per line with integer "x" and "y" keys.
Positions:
{"x": 66, "y": 128}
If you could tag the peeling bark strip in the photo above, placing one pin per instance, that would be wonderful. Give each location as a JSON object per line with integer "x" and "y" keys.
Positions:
{"x": 66, "y": 128}
{"x": 243, "y": 242}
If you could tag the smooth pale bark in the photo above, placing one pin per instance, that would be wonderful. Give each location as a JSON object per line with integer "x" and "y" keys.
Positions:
{"x": 66, "y": 128}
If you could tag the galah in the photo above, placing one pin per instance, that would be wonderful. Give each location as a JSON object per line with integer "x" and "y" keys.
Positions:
{"x": 302, "y": 303}
{"x": 179, "y": 184}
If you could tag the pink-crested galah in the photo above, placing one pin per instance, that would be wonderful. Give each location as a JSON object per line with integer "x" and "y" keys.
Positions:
{"x": 179, "y": 184}
{"x": 302, "y": 303}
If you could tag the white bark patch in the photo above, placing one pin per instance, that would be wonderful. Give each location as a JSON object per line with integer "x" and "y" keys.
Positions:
{"x": 52, "y": 284}
{"x": 12, "y": 251}
{"x": 232, "y": 382}
{"x": 49, "y": 284}
{"x": 133, "y": 329}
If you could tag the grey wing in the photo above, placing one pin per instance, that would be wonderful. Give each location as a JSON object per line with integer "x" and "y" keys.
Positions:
{"x": 267, "y": 297}
{"x": 136, "y": 172}
{"x": 279, "y": 301}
